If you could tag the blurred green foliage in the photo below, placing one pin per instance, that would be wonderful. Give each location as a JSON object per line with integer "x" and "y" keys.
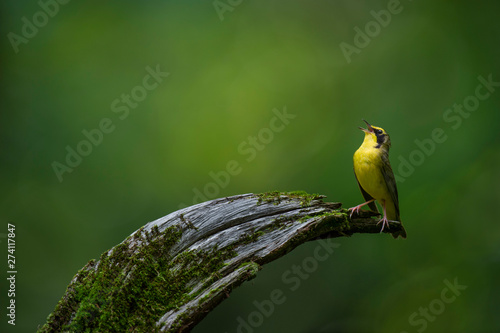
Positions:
{"x": 225, "y": 79}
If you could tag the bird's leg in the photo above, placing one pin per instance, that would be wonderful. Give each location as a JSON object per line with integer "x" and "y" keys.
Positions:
{"x": 384, "y": 220}
{"x": 358, "y": 207}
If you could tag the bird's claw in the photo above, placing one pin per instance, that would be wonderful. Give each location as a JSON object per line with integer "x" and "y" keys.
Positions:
{"x": 385, "y": 222}
{"x": 355, "y": 209}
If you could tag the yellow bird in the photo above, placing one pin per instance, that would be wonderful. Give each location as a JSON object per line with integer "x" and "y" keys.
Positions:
{"x": 375, "y": 177}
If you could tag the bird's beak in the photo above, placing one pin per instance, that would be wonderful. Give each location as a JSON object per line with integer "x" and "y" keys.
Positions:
{"x": 370, "y": 128}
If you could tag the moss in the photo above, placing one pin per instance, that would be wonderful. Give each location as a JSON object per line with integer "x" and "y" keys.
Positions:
{"x": 130, "y": 288}
{"x": 252, "y": 266}
{"x": 251, "y": 237}
{"x": 189, "y": 224}
{"x": 305, "y": 218}
{"x": 209, "y": 294}
{"x": 273, "y": 196}
{"x": 279, "y": 223}
{"x": 276, "y": 197}
{"x": 335, "y": 221}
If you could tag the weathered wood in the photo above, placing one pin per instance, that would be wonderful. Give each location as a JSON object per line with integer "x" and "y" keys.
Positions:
{"x": 170, "y": 273}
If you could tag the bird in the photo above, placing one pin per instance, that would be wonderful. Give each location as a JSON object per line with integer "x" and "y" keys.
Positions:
{"x": 375, "y": 177}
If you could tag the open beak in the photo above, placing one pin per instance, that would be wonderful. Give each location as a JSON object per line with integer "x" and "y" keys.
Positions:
{"x": 370, "y": 128}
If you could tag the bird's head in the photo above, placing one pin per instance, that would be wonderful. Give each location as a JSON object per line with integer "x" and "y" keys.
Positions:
{"x": 376, "y": 135}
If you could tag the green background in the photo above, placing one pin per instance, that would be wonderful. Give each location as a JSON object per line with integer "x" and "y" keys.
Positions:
{"x": 226, "y": 77}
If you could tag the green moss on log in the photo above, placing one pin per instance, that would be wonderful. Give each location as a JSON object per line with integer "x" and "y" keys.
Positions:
{"x": 130, "y": 288}
{"x": 276, "y": 197}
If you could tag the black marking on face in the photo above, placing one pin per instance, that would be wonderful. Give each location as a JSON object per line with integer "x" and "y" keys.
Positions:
{"x": 380, "y": 137}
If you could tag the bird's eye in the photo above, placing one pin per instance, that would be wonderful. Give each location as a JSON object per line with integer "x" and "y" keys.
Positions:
{"x": 378, "y": 131}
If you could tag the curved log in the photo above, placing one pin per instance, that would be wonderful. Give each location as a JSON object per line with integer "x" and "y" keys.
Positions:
{"x": 169, "y": 274}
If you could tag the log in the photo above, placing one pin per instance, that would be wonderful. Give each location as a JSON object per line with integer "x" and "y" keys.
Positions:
{"x": 167, "y": 275}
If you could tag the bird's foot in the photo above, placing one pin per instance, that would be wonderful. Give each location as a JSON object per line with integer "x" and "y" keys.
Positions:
{"x": 355, "y": 209}
{"x": 385, "y": 222}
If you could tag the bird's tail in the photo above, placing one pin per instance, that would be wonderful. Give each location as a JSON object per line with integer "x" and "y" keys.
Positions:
{"x": 393, "y": 215}
{"x": 401, "y": 232}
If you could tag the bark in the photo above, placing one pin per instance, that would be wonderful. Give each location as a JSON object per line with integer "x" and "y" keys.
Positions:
{"x": 170, "y": 273}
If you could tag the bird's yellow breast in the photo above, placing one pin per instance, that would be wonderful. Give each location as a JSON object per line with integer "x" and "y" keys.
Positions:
{"x": 368, "y": 170}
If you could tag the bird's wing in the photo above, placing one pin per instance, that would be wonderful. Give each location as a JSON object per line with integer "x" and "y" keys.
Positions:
{"x": 367, "y": 197}
{"x": 390, "y": 181}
